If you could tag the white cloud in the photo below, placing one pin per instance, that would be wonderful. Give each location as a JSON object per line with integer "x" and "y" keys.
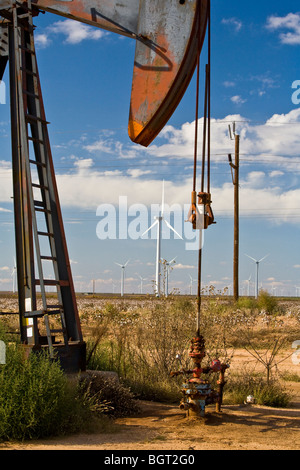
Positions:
{"x": 42, "y": 40}
{"x": 83, "y": 164}
{"x": 289, "y": 22}
{"x": 276, "y": 173}
{"x": 183, "y": 266}
{"x": 229, "y": 84}
{"x": 101, "y": 145}
{"x": 234, "y": 22}
{"x": 258, "y": 196}
{"x": 237, "y": 99}
{"x": 277, "y": 141}
{"x": 137, "y": 173}
{"x": 73, "y": 31}
{"x": 76, "y": 32}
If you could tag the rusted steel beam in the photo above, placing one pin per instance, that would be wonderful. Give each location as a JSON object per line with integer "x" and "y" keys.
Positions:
{"x": 169, "y": 35}
{"x": 118, "y": 16}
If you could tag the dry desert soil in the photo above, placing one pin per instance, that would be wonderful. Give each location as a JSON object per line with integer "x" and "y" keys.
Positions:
{"x": 164, "y": 427}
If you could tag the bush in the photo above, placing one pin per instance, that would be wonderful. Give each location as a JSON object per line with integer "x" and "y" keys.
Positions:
{"x": 143, "y": 352}
{"x": 247, "y": 303}
{"x": 36, "y": 398}
{"x": 110, "y": 396}
{"x": 240, "y": 386}
{"x": 267, "y": 303}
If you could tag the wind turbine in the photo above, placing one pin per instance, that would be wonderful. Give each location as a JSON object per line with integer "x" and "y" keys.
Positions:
{"x": 257, "y": 269}
{"x": 142, "y": 279}
{"x": 122, "y": 266}
{"x": 191, "y": 284}
{"x": 168, "y": 265}
{"x": 248, "y": 282}
{"x": 14, "y": 276}
{"x": 158, "y": 222}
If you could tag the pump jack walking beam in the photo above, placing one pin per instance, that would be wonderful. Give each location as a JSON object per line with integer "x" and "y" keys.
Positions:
{"x": 169, "y": 36}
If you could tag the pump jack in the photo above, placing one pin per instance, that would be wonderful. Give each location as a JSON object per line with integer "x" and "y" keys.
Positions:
{"x": 169, "y": 35}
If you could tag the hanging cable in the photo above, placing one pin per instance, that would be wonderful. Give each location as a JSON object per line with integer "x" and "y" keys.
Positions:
{"x": 193, "y": 210}
{"x": 209, "y": 97}
{"x": 204, "y": 197}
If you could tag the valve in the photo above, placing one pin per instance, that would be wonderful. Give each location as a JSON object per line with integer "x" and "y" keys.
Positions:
{"x": 197, "y": 391}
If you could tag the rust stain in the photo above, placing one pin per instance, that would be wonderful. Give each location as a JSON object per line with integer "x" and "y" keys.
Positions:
{"x": 164, "y": 80}
{"x": 151, "y": 84}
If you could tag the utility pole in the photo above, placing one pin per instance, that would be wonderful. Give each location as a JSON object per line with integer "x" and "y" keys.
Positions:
{"x": 235, "y": 171}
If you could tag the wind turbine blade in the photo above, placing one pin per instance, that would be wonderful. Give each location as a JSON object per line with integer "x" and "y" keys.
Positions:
{"x": 150, "y": 228}
{"x": 251, "y": 258}
{"x": 126, "y": 263}
{"x": 263, "y": 258}
{"x": 119, "y": 265}
{"x": 173, "y": 260}
{"x": 170, "y": 227}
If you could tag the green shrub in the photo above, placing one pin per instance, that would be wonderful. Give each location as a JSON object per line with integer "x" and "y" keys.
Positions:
{"x": 247, "y": 303}
{"x": 267, "y": 303}
{"x": 36, "y": 398}
{"x": 272, "y": 395}
{"x": 240, "y": 386}
{"x": 290, "y": 377}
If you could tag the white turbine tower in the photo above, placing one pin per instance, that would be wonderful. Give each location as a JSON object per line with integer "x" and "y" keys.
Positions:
{"x": 248, "y": 283}
{"x": 158, "y": 223}
{"x": 191, "y": 284}
{"x": 257, "y": 269}
{"x": 14, "y": 276}
{"x": 168, "y": 265}
{"x": 122, "y": 266}
{"x": 142, "y": 279}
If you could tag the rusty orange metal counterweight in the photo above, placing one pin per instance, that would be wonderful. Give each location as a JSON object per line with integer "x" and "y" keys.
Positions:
{"x": 169, "y": 35}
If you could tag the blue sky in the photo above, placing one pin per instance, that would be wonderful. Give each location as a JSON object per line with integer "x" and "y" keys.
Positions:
{"x": 86, "y": 80}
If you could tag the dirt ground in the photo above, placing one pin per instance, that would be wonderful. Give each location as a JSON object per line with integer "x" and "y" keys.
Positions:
{"x": 164, "y": 428}
{"x": 160, "y": 427}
